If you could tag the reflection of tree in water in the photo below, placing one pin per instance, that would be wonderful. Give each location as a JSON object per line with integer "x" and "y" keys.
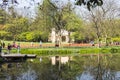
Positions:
{"x": 11, "y": 71}
{"x": 101, "y": 67}
{"x": 98, "y": 67}
{"x": 46, "y": 71}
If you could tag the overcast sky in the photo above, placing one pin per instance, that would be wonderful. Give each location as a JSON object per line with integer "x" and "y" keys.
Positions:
{"x": 28, "y": 7}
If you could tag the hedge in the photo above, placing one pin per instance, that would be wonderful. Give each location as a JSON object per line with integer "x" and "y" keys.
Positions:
{"x": 59, "y": 51}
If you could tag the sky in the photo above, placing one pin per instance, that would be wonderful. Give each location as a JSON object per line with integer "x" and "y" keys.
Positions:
{"x": 28, "y": 7}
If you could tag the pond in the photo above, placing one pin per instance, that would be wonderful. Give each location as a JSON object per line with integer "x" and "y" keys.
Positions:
{"x": 78, "y": 67}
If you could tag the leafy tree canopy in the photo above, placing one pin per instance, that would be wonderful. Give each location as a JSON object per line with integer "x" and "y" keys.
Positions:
{"x": 89, "y": 3}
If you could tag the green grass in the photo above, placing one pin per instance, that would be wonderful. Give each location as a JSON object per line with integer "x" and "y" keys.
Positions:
{"x": 67, "y": 51}
{"x": 63, "y": 50}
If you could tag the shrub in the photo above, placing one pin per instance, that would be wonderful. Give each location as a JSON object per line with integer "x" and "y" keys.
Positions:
{"x": 45, "y": 51}
{"x": 114, "y": 50}
{"x": 5, "y": 35}
{"x": 116, "y": 39}
{"x": 22, "y": 36}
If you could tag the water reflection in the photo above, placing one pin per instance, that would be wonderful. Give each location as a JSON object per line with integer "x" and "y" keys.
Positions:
{"x": 17, "y": 71}
{"x": 29, "y": 75}
{"x": 60, "y": 59}
{"x": 82, "y": 67}
{"x": 101, "y": 67}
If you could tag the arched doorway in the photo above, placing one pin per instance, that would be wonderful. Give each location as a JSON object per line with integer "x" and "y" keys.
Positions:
{"x": 63, "y": 38}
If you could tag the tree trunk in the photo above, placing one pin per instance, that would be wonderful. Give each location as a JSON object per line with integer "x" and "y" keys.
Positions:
{"x": 69, "y": 38}
{"x": 58, "y": 39}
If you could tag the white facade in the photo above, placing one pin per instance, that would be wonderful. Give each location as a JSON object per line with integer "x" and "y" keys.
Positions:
{"x": 53, "y": 36}
{"x": 63, "y": 33}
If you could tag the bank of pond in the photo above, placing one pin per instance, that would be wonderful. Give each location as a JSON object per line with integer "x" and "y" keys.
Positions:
{"x": 64, "y": 51}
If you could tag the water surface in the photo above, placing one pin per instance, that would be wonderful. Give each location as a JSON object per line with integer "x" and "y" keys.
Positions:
{"x": 79, "y": 67}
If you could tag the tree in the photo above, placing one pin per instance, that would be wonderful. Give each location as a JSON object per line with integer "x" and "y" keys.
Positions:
{"x": 61, "y": 18}
{"x": 103, "y": 20}
{"x": 43, "y": 20}
{"x": 2, "y": 16}
{"x": 16, "y": 26}
{"x": 90, "y": 3}
{"x": 73, "y": 23}
{"x": 52, "y": 14}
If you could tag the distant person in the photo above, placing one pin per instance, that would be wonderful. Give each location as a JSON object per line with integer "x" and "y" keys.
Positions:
{"x": 18, "y": 47}
{"x": 3, "y": 45}
{"x": 92, "y": 43}
{"x": 40, "y": 59}
{"x": 56, "y": 44}
{"x": 9, "y": 47}
{"x": 40, "y": 43}
{"x": 31, "y": 44}
{"x": 0, "y": 47}
{"x": 14, "y": 44}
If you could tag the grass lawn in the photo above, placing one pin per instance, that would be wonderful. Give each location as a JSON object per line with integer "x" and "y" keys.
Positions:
{"x": 28, "y": 44}
{"x": 49, "y": 48}
{"x": 67, "y": 51}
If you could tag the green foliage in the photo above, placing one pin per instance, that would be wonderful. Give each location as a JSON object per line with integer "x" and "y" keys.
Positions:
{"x": 22, "y": 36}
{"x": 68, "y": 51}
{"x": 78, "y": 37}
{"x": 2, "y": 16}
{"x": 73, "y": 22}
{"x": 116, "y": 39}
{"x": 114, "y": 50}
{"x": 89, "y": 51}
{"x": 48, "y": 17}
{"x": 32, "y": 36}
{"x": 5, "y": 35}
{"x": 17, "y": 26}
{"x": 100, "y": 50}
{"x": 46, "y": 51}
{"x": 36, "y": 36}
{"x": 90, "y": 3}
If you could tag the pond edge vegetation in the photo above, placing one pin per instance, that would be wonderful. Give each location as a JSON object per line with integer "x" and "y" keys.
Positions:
{"x": 68, "y": 51}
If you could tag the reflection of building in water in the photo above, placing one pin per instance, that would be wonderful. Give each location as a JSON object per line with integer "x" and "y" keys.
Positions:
{"x": 63, "y": 60}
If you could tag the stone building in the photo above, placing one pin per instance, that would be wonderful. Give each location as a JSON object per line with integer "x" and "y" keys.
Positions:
{"x": 54, "y": 36}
